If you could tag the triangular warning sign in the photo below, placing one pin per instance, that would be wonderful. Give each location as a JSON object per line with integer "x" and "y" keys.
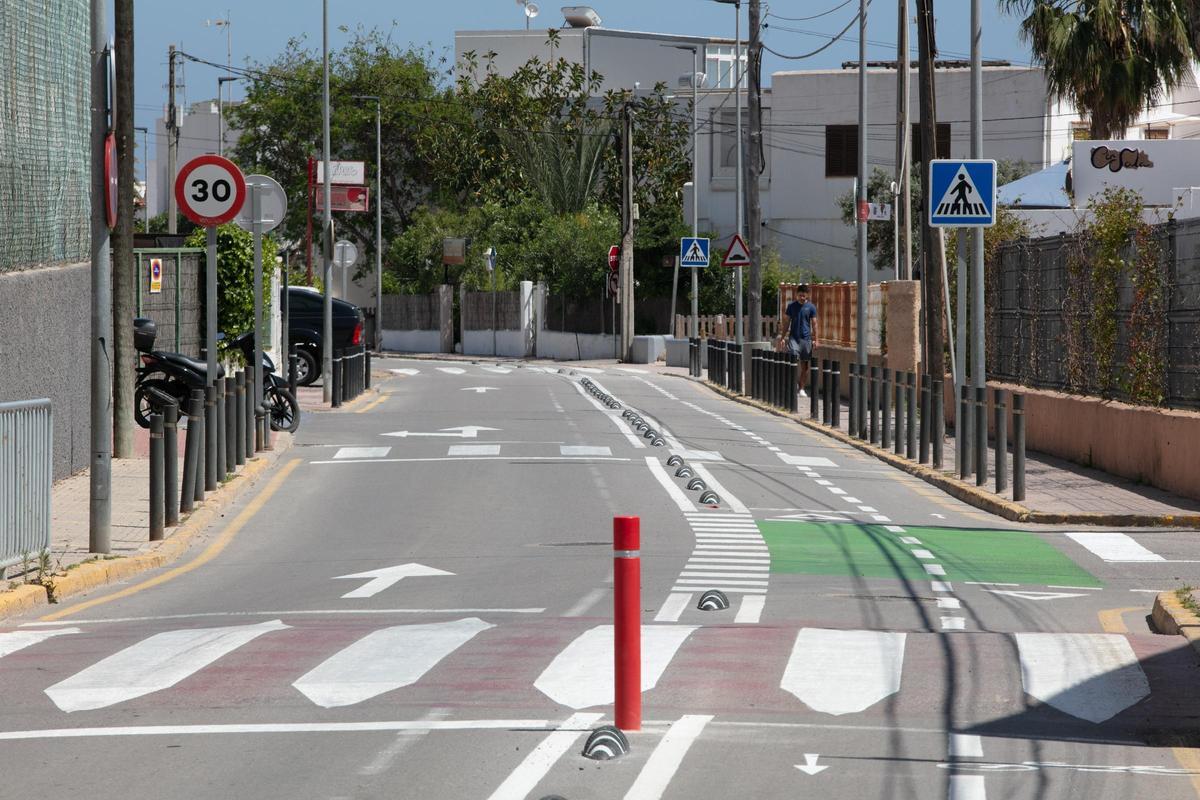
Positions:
{"x": 962, "y": 198}
{"x": 738, "y": 255}
{"x": 695, "y": 254}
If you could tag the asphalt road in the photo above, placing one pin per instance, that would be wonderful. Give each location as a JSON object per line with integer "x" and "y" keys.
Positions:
{"x": 416, "y": 605}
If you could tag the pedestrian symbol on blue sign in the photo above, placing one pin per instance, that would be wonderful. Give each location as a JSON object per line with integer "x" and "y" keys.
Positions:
{"x": 963, "y": 193}
{"x": 693, "y": 252}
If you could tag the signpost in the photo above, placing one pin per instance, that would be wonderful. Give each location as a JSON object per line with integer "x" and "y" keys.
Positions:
{"x": 345, "y": 255}
{"x": 614, "y": 289}
{"x": 490, "y": 256}
{"x": 693, "y": 252}
{"x": 738, "y": 254}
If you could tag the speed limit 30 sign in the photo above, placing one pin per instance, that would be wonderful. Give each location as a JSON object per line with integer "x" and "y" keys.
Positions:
{"x": 210, "y": 190}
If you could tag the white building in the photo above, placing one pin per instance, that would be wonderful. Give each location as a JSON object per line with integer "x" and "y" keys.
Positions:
{"x": 197, "y": 136}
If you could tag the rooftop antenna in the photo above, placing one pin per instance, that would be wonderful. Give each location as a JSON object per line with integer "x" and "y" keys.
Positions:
{"x": 531, "y": 10}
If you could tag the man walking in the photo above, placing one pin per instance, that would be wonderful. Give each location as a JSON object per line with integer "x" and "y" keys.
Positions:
{"x": 802, "y": 334}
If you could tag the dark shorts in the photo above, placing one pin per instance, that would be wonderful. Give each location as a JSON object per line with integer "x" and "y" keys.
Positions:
{"x": 803, "y": 348}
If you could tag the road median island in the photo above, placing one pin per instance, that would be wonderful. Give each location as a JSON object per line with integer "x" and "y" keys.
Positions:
{"x": 968, "y": 493}
{"x": 101, "y": 571}
{"x": 1171, "y": 615}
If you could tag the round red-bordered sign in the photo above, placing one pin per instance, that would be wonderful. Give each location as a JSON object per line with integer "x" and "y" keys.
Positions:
{"x": 210, "y": 190}
{"x": 110, "y": 180}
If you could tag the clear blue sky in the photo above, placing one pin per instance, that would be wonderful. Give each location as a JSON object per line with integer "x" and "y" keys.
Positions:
{"x": 261, "y": 30}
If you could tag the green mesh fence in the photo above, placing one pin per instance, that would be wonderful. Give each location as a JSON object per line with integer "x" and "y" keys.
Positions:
{"x": 44, "y": 126}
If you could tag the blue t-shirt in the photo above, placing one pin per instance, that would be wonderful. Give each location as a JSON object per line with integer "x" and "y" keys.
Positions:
{"x": 802, "y": 315}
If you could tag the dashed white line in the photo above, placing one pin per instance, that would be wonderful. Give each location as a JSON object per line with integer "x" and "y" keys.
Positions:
{"x": 953, "y": 623}
{"x": 935, "y": 569}
{"x": 750, "y": 611}
{"x": 673, "y": 607}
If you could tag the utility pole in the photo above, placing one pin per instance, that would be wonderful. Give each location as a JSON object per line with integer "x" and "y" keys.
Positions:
{"x": 738, "y": 75}
{"x": 625, "y": 278}
{"x": 754, "y": 169}
{"x": 932, "y": 257}
{"x": 861, "y": 339}
{"x": 172, "y": 142}
{"x": 327, "y": 232}
{"x": 903, "y": 210}
{"x": 100, "y": 474}
{"x": 978, "y": 357}
{"x": 124, "y": 279}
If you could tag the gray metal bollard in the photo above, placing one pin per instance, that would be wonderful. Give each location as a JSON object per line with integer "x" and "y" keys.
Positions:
{"x": 981, "y": 435}
{"x": 900, "y": 437}
{"x": 337, "y": 378}
{"x": 937, "y": 420}
{"x": 885, "y": 409}
{"x": 925, "y": 439}
{"x": 201, "y": 449}
{"x": 793, "y": 369}
{"x": 248, "y": 425}
{"x": 222, "y": 445}
{"x": 826, "y": 391}
{"x": 171, "y": 463}
{"x": 211, "y": 440}
{"x": 813, "y": 393}
{"x": 293, "y": 368}
{"x": 853, "y": 428}
{"x": 873, "y": 403}
{"x": 191, "y": 452}
{"x": 156, "y": 478}
{"x": 1001, "y": 441}
{"x": 1018, "y": 404}
{"x": 239, "y": 418}
{"x": 836, "y": 394}
{"x": 366, "y": 368}
{"x": 910, "y": 405}
{"x": 231, "y": 460}
{"x": 963, "y": 432}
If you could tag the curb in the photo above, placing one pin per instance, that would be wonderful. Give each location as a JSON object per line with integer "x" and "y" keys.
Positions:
{"x": 1171, "y": 618}
{"x": 968, "y": 493}
{"x": 95, "y": 574}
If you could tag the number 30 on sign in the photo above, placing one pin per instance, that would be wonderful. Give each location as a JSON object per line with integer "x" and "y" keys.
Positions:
{"x": 210, "y": 190}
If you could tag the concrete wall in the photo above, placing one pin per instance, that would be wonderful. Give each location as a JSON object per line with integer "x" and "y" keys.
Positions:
{"x": 1149, "y": 445}
{"x": 575, "y": 346}
{"x": 45, "y": 333}
{"x": 413, "y": 341}
{"x": 511, "y": 344}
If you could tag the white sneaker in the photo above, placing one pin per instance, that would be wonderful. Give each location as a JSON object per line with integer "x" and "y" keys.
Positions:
{"x": 803, "y": 393}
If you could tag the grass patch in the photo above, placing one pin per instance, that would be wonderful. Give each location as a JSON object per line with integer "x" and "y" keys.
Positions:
{"x": 1184, "y": 595}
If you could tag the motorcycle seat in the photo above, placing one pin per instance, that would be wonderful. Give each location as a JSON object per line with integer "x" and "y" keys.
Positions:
{"x": 189, "y": 363}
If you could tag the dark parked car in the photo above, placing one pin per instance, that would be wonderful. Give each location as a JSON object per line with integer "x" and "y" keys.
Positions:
{"x": 306, "y": 329}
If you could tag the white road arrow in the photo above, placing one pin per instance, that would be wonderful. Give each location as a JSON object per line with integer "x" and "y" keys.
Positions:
{"x": 380, "y": 579}
{"x": 809, "y": 766}
{"x": 461, "y": 432}
{"x": 480, "y": 389}
{"x": 1035, "y": 595}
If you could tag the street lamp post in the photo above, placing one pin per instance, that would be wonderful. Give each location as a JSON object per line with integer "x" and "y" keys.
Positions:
{"x": 221, "y": 81}
{"x": 145, "y": 174}
{"x": 696, "y": 79}
{"x": 740, "y": 211}
{"x": 327, "y": 248}
{"x": 378, "y": 220}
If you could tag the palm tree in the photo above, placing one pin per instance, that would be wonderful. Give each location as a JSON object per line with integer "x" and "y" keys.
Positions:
{"x": 562, "y": 163}
{"x": 1109, "y": 58}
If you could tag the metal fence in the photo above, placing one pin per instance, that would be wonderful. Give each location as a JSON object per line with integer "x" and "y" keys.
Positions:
{"x": 26, "y": 474}
{"x": 175, "y": 301}
{"x": 1029, "y": 317}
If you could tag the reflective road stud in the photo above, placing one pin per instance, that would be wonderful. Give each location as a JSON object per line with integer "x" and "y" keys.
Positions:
{"x": 627, "y": 620}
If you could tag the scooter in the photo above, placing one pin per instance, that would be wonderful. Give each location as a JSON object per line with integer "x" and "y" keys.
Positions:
{"x": 176, "y": 375}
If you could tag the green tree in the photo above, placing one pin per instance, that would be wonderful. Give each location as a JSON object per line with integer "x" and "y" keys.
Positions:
{"x": 1109, "y": 58}
{"x": 235, "y": 276}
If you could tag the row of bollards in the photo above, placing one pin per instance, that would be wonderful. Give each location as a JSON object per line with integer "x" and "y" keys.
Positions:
{"x": 351, "y": 373}
{"x": 773, "y": 378}
{"x": 971, "y": 438}
{"x": 694, "y": 350}
{"x": 225, "y": 428}
{"x": 725, "y": 364}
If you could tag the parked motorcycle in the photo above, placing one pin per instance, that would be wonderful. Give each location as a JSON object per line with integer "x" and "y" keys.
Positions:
{"x": 176, "y": 375}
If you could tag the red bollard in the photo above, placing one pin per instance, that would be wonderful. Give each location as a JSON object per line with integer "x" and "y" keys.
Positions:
{"x": 627, "y": 634}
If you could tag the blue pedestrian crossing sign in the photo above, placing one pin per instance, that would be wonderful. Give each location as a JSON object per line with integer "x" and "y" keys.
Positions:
{"x": 963, "y": 192}
{"x": 693, "y": 252}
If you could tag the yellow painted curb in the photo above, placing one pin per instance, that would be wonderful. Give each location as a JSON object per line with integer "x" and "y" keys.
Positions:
{"x": 94, "y": 574}
{"x": 968, "y": 493}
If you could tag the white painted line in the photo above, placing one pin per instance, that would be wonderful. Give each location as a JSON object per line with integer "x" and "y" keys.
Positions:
{"x": 696, "y": 455}
{"x": 807, "y": 461}
{"x": 583, "y": 450}
{"x": 836, "y": 490}
{"x": 989, "y": 583}
{"x": 935, "y": 569}
{"x": 1149, "y": 591}
{"x": 1114, "y": 547}
{"x": 453, "y": 459}
{"x": 280, "y": 727}
{"x": 726, "y": 537}
{"x": 824, "y": 482}
{"x": 724, "y": 581}
{"x": 966, "y": 745}
{"x": 499, "y": 370}
{"x": 724, "y": 588}
{"x": 881, "y": 518}
{"x": 810, "y": 473}
{"x": 451, "y": 370}
{"x": 404, "y": 740}
{"x": 663, "y": 763}
{"x": 405, "y": 371}
{"x": 868, "y": 509}
{"x": 673, "y": 607}
{"x": 893, "y": 528}
{"x": 1093, "y": 676}
{"x": 953, "y": 623}
{"x": 622, "y": 428}
{"x": 910, "y": 540}
{"x": 581, "y": 675}
{"x": 967, "y": 787}
{"x": 153, "y": 664}
{"x": 362, "y": 452}
{"x": 773, "y": 449}
{"x": 726, "y": 496}
{"x": 307, "y": 612}
{"x": 634, "y": 371}
{"x": 723, "y": 574}
{"x": 742, "y": 549}
{"x": 708, "y": 564}
{"x": 587, "y": 601}
{"x": 840, "y": 672}
{"x": 673, "y": 491}
{"x": 725, "y": 527}
{"x": 949, "y": 602}
{"x": 926, "y": 555}
{"x": 852, "y": 500}
{"x": 13, "y": 641}
{"x": 750, "y": 611}
{"x": 529, "y": 773}
{"x": 1079, "y": 588}
{"x": 708, "y": 516}
{"x": 385, "y": 660}
{"x": 941, "y": 586}
{"x": 473, "y": 450}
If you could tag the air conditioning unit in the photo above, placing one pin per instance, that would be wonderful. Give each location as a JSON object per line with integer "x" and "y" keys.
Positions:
{"x": 581, "y": 16}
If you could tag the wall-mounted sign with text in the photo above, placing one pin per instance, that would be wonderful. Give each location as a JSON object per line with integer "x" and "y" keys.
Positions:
{"x": 1157, "y": 169}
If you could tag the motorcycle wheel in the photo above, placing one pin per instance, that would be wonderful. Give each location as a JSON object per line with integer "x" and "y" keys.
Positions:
{"x": 143, "y": 406}
{"x": 285, "y": 411}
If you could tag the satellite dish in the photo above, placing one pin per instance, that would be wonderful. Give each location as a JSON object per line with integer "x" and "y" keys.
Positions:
{"x": 531, "y": 10}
